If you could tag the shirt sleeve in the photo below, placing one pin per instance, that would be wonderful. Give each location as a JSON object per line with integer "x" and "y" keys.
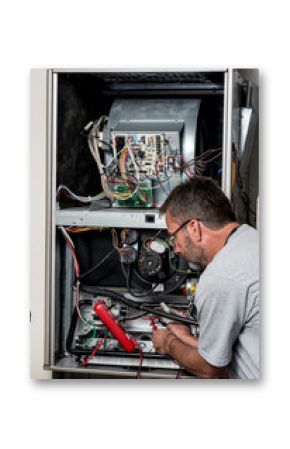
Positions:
{"x": 220, "y": 305}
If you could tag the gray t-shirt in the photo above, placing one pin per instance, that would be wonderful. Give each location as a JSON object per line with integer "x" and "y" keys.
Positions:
{"x": 227, "y": 302}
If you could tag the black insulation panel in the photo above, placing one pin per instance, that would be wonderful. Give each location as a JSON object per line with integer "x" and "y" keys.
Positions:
{"x": 91, "y": 248}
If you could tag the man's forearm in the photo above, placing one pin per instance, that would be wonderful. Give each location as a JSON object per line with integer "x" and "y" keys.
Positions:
{"x": 188, "y": 357}
{"x": 189, "y": 340}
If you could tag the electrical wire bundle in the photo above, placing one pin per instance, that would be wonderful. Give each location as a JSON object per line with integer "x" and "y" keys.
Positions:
{"x": 93, "y": 141}
{"x": 136, "y": 179}
{"x": 198, "y": 164}
{"x": 132, "y": 184}
{"x": 82, "y": 199}
{"x": 195, "y": 166}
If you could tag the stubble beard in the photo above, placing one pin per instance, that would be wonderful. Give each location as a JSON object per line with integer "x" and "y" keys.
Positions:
{"x": 194, "y": 255}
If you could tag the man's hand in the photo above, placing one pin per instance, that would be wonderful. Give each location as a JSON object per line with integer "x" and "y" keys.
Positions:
{"x": 185, "y": 352}
{"x": 179, "y": 330}
{"x": 160, "y": 339}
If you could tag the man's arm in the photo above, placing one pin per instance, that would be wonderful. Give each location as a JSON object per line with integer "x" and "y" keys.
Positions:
{"x": 186, "y": 355}
{"x": 182, "y": 332}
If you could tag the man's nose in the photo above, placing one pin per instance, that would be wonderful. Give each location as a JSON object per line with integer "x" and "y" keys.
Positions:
{"x": 176, "y": 248}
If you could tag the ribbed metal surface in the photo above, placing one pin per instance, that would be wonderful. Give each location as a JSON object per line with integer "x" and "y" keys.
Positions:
{"x": 214, "y": 78}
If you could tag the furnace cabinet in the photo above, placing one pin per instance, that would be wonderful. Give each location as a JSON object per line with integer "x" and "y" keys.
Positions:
{"x": 107, "y": 147}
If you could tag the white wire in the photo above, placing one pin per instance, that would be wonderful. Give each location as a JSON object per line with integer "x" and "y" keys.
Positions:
{"x": 134, "y": 162}
{"x": 66, "y": 236}
{"x": 84, "y": 199}
{"x": 93, "y": 145}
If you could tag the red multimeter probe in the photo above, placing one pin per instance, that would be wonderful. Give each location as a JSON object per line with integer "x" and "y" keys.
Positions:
{"x": 108, "y": 320}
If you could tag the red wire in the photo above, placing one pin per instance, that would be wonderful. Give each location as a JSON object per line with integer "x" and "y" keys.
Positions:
{"x": 99, "y": 344}
{"x": 138, "y": 374}
{"x": 118, "y": 181}
{"x": 180, "y": 371}
{"x": 153, "y": 325}
{"x": 76, "y": 264}
{"x": 93, "y": 353}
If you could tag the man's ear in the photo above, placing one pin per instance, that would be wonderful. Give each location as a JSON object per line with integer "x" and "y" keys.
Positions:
{"x": 195, "y": 231}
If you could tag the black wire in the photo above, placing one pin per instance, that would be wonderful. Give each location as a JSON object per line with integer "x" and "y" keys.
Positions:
{"x": 183, "y": 168}
{"x": 107, "y": 256}
{"x": 169, "y": 315}
{"x": 135, "y": 317}
{"x": 244, "y": 195}
{"x": 142, "y": 279}
{"x": 94, "y": 290}
{"x": 252, "y": 212}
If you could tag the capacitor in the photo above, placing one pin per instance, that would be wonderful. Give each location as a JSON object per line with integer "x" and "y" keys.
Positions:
{"x": 128, "y": 254}
{"x": 129, "y": 236}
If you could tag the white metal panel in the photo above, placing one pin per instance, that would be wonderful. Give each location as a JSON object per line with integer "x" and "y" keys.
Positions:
{"x": 227, "y": 134}
{"x": 38, "y": 125}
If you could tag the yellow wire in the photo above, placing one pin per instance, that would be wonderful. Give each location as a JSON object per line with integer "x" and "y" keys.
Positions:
{"x": 75, "y": 229}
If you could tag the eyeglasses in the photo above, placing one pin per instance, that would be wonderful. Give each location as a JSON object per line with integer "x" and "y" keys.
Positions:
{"x": 172, "y": 238}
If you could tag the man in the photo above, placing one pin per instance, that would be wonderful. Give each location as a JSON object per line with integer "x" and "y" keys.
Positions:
{"x": 203, "y": 229}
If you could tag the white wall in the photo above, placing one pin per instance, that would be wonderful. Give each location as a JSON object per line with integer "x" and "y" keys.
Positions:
{"x": 144, "y": 34}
